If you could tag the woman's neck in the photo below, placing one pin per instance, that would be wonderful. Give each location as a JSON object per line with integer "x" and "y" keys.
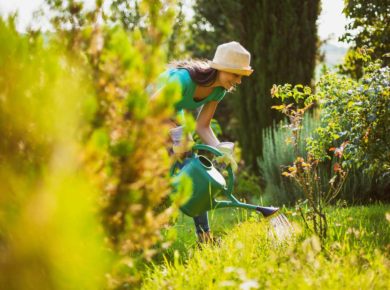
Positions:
{"x": 217, "y": 82}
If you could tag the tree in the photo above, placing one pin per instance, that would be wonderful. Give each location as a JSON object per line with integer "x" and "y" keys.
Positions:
{"x": 369, "y": 27}
{"x": 281, "y": 36}
{"x": 130, "y": 15}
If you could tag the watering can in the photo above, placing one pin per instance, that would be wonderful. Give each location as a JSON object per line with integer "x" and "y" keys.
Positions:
{"x": 207, "y": 183}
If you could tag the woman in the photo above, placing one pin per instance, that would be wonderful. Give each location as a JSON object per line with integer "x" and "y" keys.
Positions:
{"x": 204, "y": 84}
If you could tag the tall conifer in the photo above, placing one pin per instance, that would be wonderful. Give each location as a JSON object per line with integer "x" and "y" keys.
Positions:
{"x": 282, "y": 38}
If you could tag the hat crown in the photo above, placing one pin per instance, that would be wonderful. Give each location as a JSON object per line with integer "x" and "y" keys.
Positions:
{"x": 232, "y": 54}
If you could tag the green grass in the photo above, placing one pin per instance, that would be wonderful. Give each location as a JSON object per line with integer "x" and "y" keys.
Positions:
{"x": 221, "y": 222}
{"x": 355, "y": 255}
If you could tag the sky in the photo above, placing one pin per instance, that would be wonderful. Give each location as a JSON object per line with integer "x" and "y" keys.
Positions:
{"x": 331, "y": 21}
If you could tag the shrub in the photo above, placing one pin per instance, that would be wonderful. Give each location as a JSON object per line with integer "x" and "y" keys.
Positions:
{"x": 353, "y": 134}
{"x": 305, "y": 171}
{"x": 357, "y": 112}
{"x": 359, "y": 186}
{"x": 122, "y": 145}
{"x": 126, "y": 150}
{"x": 50, "y": 237}
{"x": 277, "y": 152}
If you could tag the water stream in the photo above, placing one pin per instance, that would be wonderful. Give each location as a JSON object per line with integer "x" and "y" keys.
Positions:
{"x": 280, "y": 229}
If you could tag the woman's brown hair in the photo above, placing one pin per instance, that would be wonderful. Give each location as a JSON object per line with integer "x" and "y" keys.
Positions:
{"x": 200, "y": 71}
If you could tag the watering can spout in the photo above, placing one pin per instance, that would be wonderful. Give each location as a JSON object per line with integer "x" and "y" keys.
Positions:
{"x": 267, "y": 211}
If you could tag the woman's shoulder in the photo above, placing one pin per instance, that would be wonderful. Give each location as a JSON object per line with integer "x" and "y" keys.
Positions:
{"x": 179, "y": 73}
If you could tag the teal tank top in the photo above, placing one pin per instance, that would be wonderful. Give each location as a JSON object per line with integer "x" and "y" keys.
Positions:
{"x": 183, "y": 79}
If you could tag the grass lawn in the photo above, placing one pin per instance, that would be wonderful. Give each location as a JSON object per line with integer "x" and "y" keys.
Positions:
{"x": 356, "y": 254}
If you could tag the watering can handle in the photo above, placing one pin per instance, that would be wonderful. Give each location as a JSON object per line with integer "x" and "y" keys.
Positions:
{"x": 229, "y": 189}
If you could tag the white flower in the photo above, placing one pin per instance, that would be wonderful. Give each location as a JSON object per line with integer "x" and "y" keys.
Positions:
{"x": 249, "y": 284}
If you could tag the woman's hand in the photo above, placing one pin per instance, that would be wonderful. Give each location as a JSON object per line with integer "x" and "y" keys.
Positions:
{"x": 226, "y": 148}
{"x": 208, "y": 137}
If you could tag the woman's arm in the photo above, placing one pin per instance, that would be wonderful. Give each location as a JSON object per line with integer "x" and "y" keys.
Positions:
{"x": 203, "y": 122}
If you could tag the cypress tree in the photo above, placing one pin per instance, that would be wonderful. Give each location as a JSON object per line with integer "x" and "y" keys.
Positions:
{"x": 282, "y": 38}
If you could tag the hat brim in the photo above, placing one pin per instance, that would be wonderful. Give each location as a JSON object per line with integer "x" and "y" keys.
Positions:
{"x": 242, "y": 71}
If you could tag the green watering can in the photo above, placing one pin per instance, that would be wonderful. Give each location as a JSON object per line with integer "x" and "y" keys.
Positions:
{"x": 207, "y": 183}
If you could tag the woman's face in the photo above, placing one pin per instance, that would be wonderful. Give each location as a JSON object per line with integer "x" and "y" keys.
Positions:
{"x": 229, "y": 80}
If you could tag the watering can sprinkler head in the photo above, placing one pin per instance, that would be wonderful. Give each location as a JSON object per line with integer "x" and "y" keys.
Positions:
{"x": 267, "y": 211}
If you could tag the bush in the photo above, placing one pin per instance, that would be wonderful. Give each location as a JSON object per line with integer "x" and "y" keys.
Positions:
{"x": 50, "y": 236}
{"x": 351, "y": 111}
{"x": 277, "y": 153}
{"x": 118, "y": 142}
{"x": 357, "y": 112}
{"x": 359, "y": 187}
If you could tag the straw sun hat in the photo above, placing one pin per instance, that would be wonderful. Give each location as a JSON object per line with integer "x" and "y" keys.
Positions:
{"x": 232, "y": 57}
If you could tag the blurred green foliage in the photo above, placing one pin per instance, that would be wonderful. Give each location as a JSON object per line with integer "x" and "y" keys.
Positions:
{"x": 50, "y": 237}
{"x": 84, "y": 147}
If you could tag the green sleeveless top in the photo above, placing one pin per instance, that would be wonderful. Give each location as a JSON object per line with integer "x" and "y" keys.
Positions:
{"x": 188, "y": 86}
